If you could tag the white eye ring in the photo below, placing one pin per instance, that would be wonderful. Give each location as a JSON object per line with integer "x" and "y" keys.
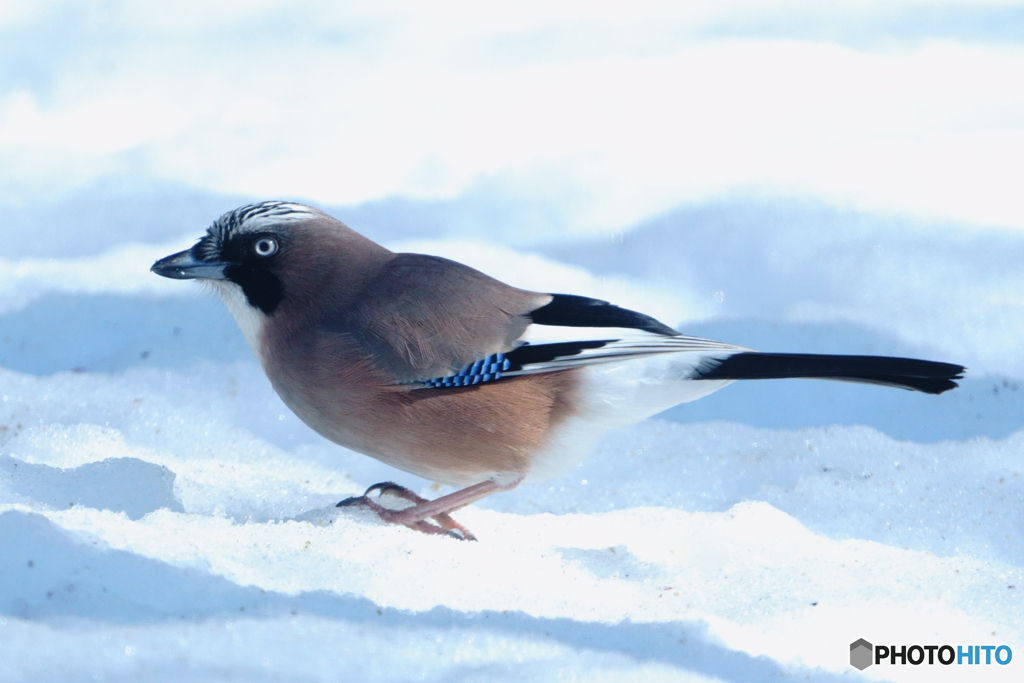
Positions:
{"x": 265, "y": 246}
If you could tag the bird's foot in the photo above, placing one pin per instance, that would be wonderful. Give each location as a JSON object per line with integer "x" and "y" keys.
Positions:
{"x": 446, "y": 526}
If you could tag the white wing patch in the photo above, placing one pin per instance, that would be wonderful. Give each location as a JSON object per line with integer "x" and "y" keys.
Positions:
{"x": 551, "y": 334}
{"x": 567, "y": 347}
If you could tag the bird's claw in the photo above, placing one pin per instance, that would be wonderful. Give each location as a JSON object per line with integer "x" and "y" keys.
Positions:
{"x": 446, "y": 526}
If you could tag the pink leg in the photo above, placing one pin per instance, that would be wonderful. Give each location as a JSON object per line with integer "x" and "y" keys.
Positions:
{"x": 415, "y": 516}
{"x": 445, "y": 523}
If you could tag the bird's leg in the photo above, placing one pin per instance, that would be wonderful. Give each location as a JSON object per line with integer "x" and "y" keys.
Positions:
{"x": 445, "y": 524}
{"x": 444, "y": 521}
{"x": 421, "y": 525}
{"x": 416, "y": 515}
{"x": 401, "y": 492}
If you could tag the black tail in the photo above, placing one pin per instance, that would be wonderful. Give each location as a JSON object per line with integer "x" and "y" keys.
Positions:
{"x": 906, "y": 373}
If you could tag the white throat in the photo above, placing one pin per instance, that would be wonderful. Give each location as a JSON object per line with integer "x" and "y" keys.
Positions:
{"x": 249, "y": 318}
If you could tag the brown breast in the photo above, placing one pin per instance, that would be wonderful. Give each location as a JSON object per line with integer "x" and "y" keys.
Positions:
{"x": 455, "y": 436}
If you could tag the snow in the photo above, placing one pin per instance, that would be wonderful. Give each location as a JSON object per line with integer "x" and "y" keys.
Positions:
{"x": 163, "y": 512}
{"x": 164, "y": 517}
{"x": 601, "y": 114}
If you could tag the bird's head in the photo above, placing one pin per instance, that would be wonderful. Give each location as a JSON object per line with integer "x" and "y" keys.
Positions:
{"x": 248, "y": 248}
{"x": 277, "y": 261}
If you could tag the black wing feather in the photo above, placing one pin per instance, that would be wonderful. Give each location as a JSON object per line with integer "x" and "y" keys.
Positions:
{"x": 529, "y": 354}
{"x": 569, "y": 310}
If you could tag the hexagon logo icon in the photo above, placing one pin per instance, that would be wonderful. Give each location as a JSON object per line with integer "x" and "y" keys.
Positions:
{"x": 861, "y": 654}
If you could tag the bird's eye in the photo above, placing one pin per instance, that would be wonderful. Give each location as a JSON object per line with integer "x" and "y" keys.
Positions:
{"x": 265, "y": 246}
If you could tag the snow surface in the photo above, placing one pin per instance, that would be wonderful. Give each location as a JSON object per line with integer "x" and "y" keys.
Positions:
{"x": 784, "y": 176}
{"x": 164, "y": 515}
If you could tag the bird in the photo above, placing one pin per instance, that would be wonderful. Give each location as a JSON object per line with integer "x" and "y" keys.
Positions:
{"x": 440, "y": 370}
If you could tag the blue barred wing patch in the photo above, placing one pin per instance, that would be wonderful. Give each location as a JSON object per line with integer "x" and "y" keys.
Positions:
{"x": 529, "y": 359}
{"x": 487, "y": 369}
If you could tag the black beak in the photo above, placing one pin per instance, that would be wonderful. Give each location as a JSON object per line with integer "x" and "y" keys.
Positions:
{"x": 184, "y": 266}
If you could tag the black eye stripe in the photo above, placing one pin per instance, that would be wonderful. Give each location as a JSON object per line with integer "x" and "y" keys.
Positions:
{"x": 247, "y": 248}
